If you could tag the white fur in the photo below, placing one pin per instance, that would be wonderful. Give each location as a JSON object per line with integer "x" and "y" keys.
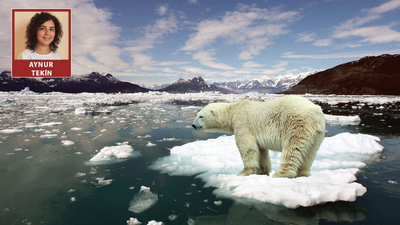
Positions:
{"x": 291, "y": 124}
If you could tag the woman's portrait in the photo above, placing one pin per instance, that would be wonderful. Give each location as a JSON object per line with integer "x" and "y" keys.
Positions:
{"x": 43, "y": 35}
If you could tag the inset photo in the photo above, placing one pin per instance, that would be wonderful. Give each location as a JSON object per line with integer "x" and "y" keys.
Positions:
{"x": 41, "y": 34}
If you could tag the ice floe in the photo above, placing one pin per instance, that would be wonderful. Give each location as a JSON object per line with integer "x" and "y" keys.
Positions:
{"x": 217, "y": 161}
{"x": 112, "y": 154}
{"x": 342, "y": 120}
{"x": 101, "y": 181}
{"x": 11, "y": 131}
{"x": 143, "y": 200}
{"x": 67, "y": 143}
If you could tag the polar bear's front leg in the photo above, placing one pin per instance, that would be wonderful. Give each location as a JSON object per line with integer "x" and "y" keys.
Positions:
{"x": 250, "y": 156}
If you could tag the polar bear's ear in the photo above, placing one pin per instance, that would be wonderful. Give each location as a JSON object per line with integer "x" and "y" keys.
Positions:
{"x": 213, "y": 112}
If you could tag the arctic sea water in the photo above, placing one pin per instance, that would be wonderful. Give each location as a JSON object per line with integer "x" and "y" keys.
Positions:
{"x": 134, "y": 159}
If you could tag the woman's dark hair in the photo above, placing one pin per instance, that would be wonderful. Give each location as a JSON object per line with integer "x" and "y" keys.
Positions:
{"x": 31, "y": 30}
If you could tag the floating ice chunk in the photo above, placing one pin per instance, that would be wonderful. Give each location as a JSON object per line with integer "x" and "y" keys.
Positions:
{"x": 48, "y": 136}
{"x": 102, "y": 182}
{"x": 146, "y": 136}
{"x": 112, "y": 154}
{"x": 143, "y": 200}
{"x": 172, "y": 217}
{"x": 80, "y": 174}
{"x": 169, "y": 139}
{"x": 10, "y": 131}
{"x": 67, "y": 143}
{"x": 49, "y": 124}
{"x": 342, "y": 120}
{"x": 149, "y": 144}
{"x": 133, "y": 221}
{"x": 153, "y": 222}
{"x": 218, "y": 203}
{"x": 76, "y": 128}
{"x": 79, "y": 111}
{"x": 192, "y": 108}
{"x": 332, "y": 175}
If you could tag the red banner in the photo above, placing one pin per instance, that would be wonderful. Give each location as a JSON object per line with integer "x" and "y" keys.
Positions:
{"x": 41, "y": 68}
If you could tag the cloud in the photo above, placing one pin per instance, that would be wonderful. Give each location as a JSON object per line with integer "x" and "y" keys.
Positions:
{"x": 369, "y": 15}
{"x": 206, "y": 58}
{"x": 94, "y": 37}
{"x": 374, "y": 34}
{"x": 152, "y": 35}
{"x": 193, "y": 1}
{"x": 162, "y": 9}
{"x": 323, "y": 42}
{"x": 251, "y": 64}
{"x": 248, "y": 24}
{"x": 171, "y": 63}
{"x": 280, "y": 64}
{"x": 340, "y": 55}
{"x": 306, "y": 37}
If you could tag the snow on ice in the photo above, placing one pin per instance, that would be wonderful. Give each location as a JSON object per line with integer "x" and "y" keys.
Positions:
{"x": 111, "y": 154}
{"x": 217, "y": 161}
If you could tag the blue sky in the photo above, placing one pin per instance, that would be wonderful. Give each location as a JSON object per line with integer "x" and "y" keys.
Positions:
{"x": 155, "y": 42}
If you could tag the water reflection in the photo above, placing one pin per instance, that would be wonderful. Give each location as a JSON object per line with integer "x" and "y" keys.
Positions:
{"x": 262, "y": 214}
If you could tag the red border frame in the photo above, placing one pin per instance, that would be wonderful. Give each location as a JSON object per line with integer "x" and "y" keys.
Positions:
{"x": 20, "y": 68}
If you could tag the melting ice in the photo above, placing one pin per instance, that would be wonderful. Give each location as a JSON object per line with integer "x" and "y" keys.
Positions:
{"x": 217, "y": 161}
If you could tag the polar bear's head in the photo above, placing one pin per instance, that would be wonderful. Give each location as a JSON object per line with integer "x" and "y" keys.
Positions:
{"x": 211, "y": 118}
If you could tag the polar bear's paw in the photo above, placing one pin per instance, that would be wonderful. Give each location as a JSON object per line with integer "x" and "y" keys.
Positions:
{"x": 249, "y": 170}
{"x": 286, "y": 173}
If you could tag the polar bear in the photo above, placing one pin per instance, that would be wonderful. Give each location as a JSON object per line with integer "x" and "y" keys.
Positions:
{"x": 291, "y": 124}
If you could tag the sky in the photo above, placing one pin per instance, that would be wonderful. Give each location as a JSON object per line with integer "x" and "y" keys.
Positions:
{"x": 160, "y": 41}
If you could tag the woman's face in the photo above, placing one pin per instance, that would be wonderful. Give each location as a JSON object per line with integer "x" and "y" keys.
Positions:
{"x": 45, "y": 33}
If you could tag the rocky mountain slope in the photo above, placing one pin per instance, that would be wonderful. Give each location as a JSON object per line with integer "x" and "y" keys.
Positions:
{"x": 371, "y": 75}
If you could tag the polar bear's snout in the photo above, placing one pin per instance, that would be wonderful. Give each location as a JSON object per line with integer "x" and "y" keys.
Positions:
{"x": 197, "y": 127}
{"x": 196, "y": 124}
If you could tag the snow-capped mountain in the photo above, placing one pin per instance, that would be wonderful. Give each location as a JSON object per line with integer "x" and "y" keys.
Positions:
{"x": 194, "y": 85}
{"x": 156, "y": 87}
{"x": 265, "y": 84}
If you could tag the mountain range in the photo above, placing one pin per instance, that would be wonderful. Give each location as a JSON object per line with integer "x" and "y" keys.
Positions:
{"x": 262, "y": 85}
{"x": 371, "y": 75}
{"x": 93, "y": 82}
{"x": 265, "y": 84}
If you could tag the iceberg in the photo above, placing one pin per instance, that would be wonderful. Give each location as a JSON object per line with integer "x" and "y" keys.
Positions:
{"x": 216, "y": 162}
